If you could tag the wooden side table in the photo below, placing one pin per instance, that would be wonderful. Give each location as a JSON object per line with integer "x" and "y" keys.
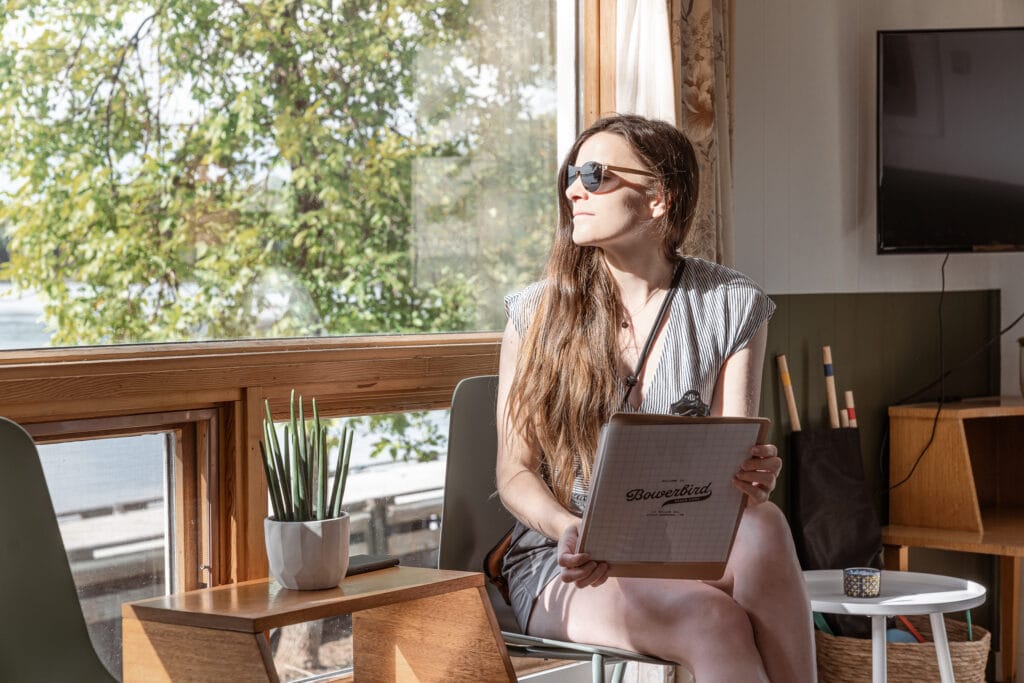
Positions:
{"x": 901, "y": 593}
{"x": 408, "y": 624}
{"x": 964, "y": 495}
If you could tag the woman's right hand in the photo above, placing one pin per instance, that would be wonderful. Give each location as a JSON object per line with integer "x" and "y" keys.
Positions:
{"x": 576, "y": 567}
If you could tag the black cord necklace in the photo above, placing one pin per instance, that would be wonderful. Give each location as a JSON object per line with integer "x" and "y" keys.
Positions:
{"x": 633, "y": 379}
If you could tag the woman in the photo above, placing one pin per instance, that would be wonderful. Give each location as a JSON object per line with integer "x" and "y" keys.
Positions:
{"x": 627, "y": 194}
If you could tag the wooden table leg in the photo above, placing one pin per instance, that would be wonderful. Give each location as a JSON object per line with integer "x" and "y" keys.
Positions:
{"x": 444, "y": 638}
{"x": 164, "y": 653}
{"x": 942, "y": 647}
{"x": 896, "y": 557}
{"x": 1009, "y": 602}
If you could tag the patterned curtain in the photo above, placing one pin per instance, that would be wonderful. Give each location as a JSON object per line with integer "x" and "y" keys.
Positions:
{"x": 701, "y": 35}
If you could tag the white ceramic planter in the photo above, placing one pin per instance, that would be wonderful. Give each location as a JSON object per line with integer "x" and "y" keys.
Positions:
{"x": 308, "y": 555}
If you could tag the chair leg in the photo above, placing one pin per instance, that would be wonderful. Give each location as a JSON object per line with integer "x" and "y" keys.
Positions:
{"x": 597, "y": 668}
{"x": 619, "y": 672}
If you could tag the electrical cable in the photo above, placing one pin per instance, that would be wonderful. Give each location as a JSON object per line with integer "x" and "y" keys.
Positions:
{"x": 991, "y": 340}
{"x": 941, "y": 381}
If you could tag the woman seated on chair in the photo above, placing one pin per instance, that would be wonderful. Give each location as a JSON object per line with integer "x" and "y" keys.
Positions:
{"x": 569, "y": 359}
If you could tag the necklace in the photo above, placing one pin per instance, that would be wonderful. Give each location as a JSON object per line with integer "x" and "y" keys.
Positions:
{"x": 633, "y": 379}
{"x": 628, "y": 320}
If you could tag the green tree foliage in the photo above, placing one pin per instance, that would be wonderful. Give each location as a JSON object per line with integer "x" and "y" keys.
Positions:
{"x": 200, "y": 169}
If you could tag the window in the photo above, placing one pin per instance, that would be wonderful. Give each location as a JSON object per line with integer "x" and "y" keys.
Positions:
{"x": 113, "y": 513}
{"x": 220, "y": 233}
{"x": 212, "y": 170}
{"x": 126, "y": 496}
{"x": 394, "y": 495}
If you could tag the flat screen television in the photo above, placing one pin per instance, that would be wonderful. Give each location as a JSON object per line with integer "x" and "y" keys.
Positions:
{"x": 950, "y": 166}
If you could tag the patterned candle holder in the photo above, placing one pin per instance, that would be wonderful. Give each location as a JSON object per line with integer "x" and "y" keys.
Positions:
{"x": 862, "y": 582}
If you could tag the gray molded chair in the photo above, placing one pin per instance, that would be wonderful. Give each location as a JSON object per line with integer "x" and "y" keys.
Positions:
{"x": 473, "y": 520}
{"x": 43, "y": 636}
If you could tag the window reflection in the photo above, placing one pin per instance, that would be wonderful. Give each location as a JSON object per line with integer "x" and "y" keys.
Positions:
{"x": 110, "y": 499}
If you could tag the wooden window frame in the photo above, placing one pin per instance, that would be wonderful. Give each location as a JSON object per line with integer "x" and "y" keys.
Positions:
{"x": 195, "y": 437}
{"x": 598, "y": 48}
{"x": 70, "y": 393}
{"x": 83, "y": 392}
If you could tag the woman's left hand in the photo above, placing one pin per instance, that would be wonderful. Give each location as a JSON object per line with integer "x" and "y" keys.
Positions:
{"x": 758, "y": 473}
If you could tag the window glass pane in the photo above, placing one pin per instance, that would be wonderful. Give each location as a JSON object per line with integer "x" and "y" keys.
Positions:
{"x": 21, "y": 319}
{"x": 394, "y": 495}
{"x": 110, "y": 499}
{"x": 200, "y": 169}
{"x": 313, "y": 648}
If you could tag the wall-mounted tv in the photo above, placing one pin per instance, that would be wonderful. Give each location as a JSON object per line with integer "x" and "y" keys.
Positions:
{"x": 951, "y": 140}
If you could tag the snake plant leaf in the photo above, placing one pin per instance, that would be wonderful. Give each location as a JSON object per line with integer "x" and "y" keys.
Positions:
{"x": 341, "y": 471}
{"x": 272, "y": 483}
{"x": 279, "y": 462}
{"x": 269, "y": 468}
{"x": 295, "y": 478}
{"x": 323, "y": 476}
{"x": 296, "y": 465}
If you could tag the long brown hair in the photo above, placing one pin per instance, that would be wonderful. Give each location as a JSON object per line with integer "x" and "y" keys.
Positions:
{"x": 566, "y": 379}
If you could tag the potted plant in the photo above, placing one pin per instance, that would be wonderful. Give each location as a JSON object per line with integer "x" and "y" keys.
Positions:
{"x": 307, "y": 536}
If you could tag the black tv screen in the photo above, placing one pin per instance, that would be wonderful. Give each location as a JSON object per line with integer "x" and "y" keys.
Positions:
{"x": 951, "y": 140}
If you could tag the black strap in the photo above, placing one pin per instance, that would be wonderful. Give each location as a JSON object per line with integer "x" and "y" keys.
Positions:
{"x": 633, "y": 379}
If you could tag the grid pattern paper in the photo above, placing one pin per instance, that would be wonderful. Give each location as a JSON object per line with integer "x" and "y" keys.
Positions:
{"x": 664, "y": 492}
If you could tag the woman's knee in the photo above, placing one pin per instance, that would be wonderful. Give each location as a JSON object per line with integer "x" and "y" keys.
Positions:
{"x": 764, "y": 536}
{"x": 709, "y": 619}
{"x": 763, "y": 552}
{"x": 766, "y": 522}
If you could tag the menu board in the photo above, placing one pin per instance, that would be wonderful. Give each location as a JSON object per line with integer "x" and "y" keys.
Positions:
{"x": 662, "y": 502}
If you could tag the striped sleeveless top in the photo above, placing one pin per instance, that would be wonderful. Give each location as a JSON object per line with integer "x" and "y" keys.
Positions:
{"x": 715, "y": 313}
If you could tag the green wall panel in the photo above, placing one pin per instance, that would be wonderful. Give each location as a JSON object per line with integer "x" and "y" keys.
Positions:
{"x": 886, "y": 348}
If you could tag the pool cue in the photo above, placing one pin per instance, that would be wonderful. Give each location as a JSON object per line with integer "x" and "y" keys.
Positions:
{"x": 844, "y": 418}
{"x": 787, "y": 389}
{"x": 850, "y": 409}
{"x": 830, "y": 388}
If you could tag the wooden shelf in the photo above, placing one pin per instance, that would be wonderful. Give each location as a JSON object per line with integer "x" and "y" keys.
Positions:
{"x": 959, "y": 471}
{"x": 1003, "y": 535}
{"x": 987, "y": 406}
{"x": 973, "y": 462}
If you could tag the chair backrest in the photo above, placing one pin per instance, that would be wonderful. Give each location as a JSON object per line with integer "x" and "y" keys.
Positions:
{"x": 473, "y": 518}
{"x": 43, "y": 635}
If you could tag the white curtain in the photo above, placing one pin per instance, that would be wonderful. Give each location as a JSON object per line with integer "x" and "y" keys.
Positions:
{"x": 673, "y": 63}
{"x": 644, "y": 74}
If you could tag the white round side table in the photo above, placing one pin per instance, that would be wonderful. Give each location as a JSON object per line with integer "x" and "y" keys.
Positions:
{"x": 901, "y": 593}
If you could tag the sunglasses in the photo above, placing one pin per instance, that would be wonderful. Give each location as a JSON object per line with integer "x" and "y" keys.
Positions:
{"x": 592, "y": 174}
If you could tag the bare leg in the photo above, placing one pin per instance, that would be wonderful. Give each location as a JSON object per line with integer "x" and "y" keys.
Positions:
{"x": 768, "y": 584}
{"x": 688, "y": 622}
{"x": 752, "y": 625}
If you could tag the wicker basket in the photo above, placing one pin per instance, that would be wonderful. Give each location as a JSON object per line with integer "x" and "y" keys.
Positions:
{"x": 848, "y": 660}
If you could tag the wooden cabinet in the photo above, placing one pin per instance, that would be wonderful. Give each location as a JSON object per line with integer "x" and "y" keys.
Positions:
{"x": 963, "y": 493}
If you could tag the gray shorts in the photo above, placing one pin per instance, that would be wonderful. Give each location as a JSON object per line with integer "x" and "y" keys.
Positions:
{"x": 530, "y": 565}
